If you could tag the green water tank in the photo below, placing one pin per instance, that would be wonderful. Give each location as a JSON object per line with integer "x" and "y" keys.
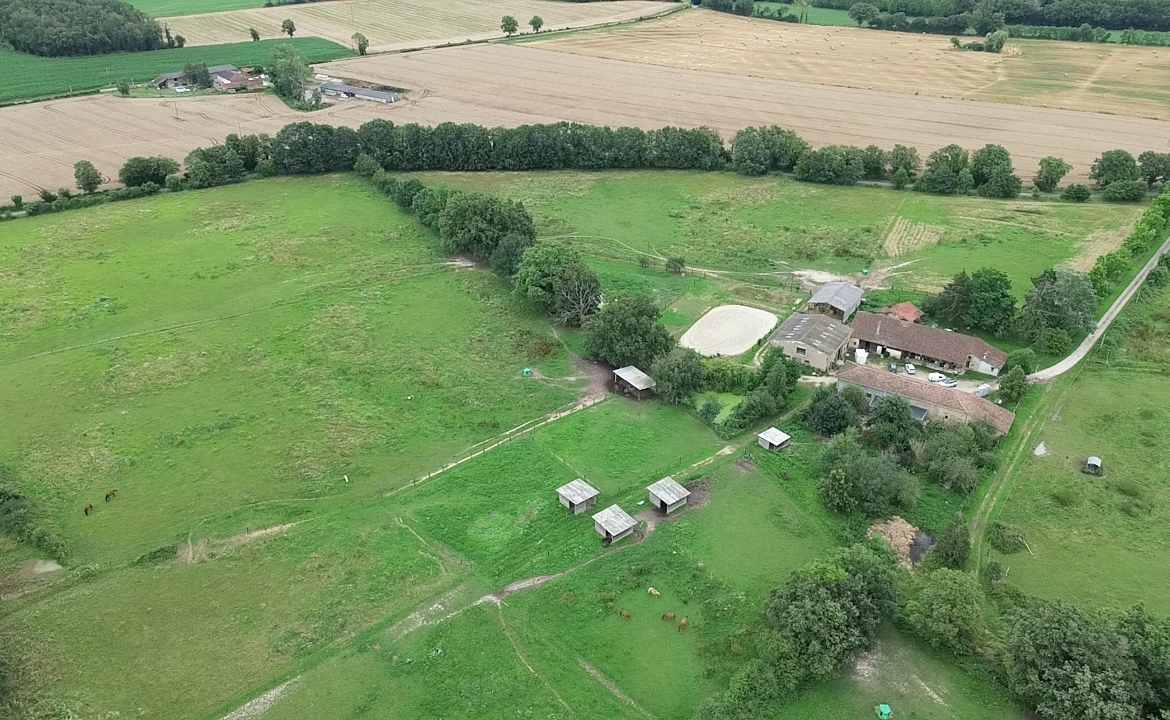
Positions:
{"x": 527, "y": 372}
{"x": 884, "y": 712}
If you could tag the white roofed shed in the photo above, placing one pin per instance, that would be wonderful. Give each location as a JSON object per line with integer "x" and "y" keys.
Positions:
{"x": 613, "y": 523}
{"x": 773, "y": 439}
{"x": 667, "y": 495}
{"x": 578, "y": 496}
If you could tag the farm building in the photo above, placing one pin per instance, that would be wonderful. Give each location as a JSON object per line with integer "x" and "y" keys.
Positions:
{"x": 354, "y": 91}
{"x": 667, "y": 495}
{"x": 837, "y": 300}
{"x": 613, "y": 523}
{"x": 931, "y": 346}
{"x": 632, "y": 381}
{"x": 225, "y": 78}
{"x": 578, "y": 496}
{"x": 818, "y": 341}
{"x": 773, "y": 439}
{"x": 927, "y": 400}
{"x": 907, "y": 311}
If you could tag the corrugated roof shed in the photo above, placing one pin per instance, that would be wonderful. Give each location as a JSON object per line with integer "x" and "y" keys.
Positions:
{"x": 669, "y": 491}
{"x": 844, "y": 296}
{"x": 635, "y": 377}
{"x": 344, "y": 89}
{"x": 817, "y": 331}
{"x": 577, "y": 491}
{"x": 774, "y": 436}
{"x": 914, "y": 389}
{"x": 614, "y": 520}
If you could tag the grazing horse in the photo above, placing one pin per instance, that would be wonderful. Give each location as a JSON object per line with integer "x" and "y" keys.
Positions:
{"x": 683, "y": 624}
{"x": 625, "y": 614}
{"x": 111, "y": 495}
{"x": 653, "y": 592}
{"x": 668, "y": 616}
{"x": 88, "y": 509}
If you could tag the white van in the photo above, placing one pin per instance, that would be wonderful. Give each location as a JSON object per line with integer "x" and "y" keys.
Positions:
{"x": 936, "y": 377}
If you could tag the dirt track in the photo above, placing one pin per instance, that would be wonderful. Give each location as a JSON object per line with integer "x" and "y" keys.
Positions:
{"x": 512, "y": 85}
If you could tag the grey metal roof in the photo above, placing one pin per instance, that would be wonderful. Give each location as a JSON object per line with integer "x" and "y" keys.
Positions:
{"x": 820, "y": 332}
{"x": 614, "y": 520}
{"x": 213, "y": 70}
{"x": 668, "y": 491}
{"x": 775, "y": 436}
{"x": 841, "y": 295}
{"x": 360, "y": 91}
{"x": 635, "y": 377}
{"x": 1093, "y": 460}
{"x": 577, "y": 491}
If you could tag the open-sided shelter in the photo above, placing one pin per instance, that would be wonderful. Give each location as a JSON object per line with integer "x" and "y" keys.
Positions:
{"x": 773, "y": 439}
{"x": 837, "y": 300}
{"x": 667, "y": 495}
{"x": 613, "y": 523}
{"x": 632, "y": 381}
{"x": 578, "y": 496}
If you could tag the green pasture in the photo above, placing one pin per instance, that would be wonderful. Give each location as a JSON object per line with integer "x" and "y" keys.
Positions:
{"x": 1092, "y": 538}
{"x": 816, "y": 15}
{"x": 173, "y": 8}
{"x": 31, "y": 77}
{"x": 759, "y": 226}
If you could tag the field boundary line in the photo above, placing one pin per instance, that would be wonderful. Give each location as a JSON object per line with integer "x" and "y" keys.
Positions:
{"x": 538, "y": 676}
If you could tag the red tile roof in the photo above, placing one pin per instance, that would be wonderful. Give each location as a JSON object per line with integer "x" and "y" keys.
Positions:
{"x": 907, "y": 311}
{"x": 950, "y": 347}
{"x": 914, "y": 389}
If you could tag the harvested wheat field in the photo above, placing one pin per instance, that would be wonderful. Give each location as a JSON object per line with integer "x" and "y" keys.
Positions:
{"x": 503, "y": 84}
{"x": 402, "y": 24}
{"x": 1114, "y": 79}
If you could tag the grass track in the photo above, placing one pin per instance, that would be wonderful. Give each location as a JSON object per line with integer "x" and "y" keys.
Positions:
{"x": 29, "y": 77}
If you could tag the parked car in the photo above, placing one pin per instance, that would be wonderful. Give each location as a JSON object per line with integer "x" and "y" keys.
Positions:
{"x": 893, "y": 367}
{"x": 936, "y": 377}
{"x": 911, "y": 370}
{"x": 948, "y": 383}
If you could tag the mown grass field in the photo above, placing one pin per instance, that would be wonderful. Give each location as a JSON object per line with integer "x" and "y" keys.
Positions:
{"x": 168, "y": 8}
{"x": 816, "y": 15}
{"x": 30, "y": 77}
{"x": 769, "y": 225}
{"x": 262, "y": 381}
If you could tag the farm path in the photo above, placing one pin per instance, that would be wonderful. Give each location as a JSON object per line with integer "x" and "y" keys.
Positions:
{"x": 1106, "y": 320}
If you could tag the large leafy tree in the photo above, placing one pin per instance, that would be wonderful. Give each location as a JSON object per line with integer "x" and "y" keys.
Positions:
{"x": 854, "y": 480}
{"x": 1059, "y": 299}
{"x": 627, "y": 331}
{"x": 1155, "y": 167}
{"x": 992, "y": 306}
{"x": 141, "y": 170}
{"x": 947, "y": 612}
{"x": 891, "y": 426}
{"x": 509, "y": 25}
{"x": 953, "y": 547}
{"x": 87, "y": 176}
{"x": 864, "y": 13}
{"x": 831, "y": 412}
{"x": 292, "y": 79}
{"x": 1013, "y": 386}
{"x": 678, "y": 375}
{"x": 1114, "y": 166}
{"x": 476, "y": 224}
{"x": 1052, "y": 171}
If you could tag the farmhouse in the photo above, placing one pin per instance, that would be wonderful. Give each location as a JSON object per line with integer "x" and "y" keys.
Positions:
{"x": 837, "y": 300}
{"x": 632, "y": 381}
{"x": 907, "y": 311}
{"x": 927, "y": 400}
{"x": 362, "y": 93}
{"x": 816, "y": 340}
{"x": 225, "y": 78}
{"x": 613, "y": 523}
{"x": 773, "y": 439}
{"x": 578, "y": 496}
{"x": 667, "y": 495}
{"x": 932, "y": 346}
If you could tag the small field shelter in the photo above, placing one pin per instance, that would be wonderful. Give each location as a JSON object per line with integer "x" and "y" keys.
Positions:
{"x": 633, "y": 381}
{"x": 667, "y": 495}
{"x": 578, "y": 496}
{"x": 773, "y": 439}
{"x": 613, "y": 523}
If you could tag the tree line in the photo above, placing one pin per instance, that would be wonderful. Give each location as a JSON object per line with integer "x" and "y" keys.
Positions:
{"x": 57, "y": 28}
{"x": 1109, "y": 14}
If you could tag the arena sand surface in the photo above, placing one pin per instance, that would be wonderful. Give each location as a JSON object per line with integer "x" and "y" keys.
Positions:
{"x": 1112, "y": 79}
{"x": 509, "y": 85}
{"x": 728, "y": 330}
{"x": 404, "y": 24}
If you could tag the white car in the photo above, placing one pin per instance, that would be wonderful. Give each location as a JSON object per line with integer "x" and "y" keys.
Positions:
{"x": 948, "y": 383}
{"x": 936, "y": 377}
{"x": 911, "y": 370}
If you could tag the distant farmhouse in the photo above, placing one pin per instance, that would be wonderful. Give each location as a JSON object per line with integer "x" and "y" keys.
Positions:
{"x": 931, "y": 346}
{"x": 224, "y": 78}
{"x": 838, "y": 300}
{"x": 927, "y": 400}
{"x": 818, "y": 341}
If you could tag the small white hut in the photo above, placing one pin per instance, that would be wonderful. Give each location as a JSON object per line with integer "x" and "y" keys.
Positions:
{"x": 578, "y": 496}
{"x": 667, "y": 495}
{"x": 773, "y": 439}
{"x": 613, "y": 523}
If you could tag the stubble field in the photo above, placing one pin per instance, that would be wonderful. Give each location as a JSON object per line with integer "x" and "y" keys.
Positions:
{"x": 404, "y": 23}
{"x": 1113, "y": 79}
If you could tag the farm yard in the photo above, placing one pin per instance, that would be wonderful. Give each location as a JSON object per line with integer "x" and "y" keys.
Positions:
{"x": 266, "y": 425}
{"x": 1112, "y": 79}
{"x": 30, "y": 77}
{"x": 403, "y": 24}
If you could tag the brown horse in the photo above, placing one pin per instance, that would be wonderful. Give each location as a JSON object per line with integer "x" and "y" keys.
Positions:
{"x": 668, "y": 616}
{"x": 88, "y": 509}
{"x": 111, "y": 494}
{"x": 625, "y": 614}
{"x": 683, "y": 625}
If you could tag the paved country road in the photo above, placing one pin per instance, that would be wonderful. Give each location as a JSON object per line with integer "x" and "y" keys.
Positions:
{"x": 1083, "y": 349}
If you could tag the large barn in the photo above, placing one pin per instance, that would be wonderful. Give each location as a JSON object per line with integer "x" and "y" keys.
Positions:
{"x": 930, "y": 346}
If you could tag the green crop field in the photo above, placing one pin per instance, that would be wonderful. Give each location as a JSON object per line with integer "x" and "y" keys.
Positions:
{"x": 30, "y": 77}
{"x": 769, "y": 225}
{"x": 173, "y": 8}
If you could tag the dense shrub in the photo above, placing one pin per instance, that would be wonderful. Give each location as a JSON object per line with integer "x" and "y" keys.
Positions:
{"x": 853, "y": 480}
{"x": 1124, "y": 191}
{"x": 139, "y": 170}
{"x": 947, "y": 612}
{"x": 831, "y": 165}
{"x": 1076, "y": 193}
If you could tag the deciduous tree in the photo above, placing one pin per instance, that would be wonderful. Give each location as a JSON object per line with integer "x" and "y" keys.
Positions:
{"x": 536, "y": 23}
{"x": 627, "y": 331}
{"x": 863, "y": 13}
{"x": 953, "y": 547}
{"x": 1114, "y": 166}
{"x": 87, "y": 177}
{"x": 947, "y": 612}
{"x": 124, "y": 87}
{"x": 141, "y": 170}
{"x": 678, "y": 375}
{"x": 1052, "y": 171}
{"x": 509, "y": 25}
{"x": 255, "y": 35}
{"x": 288, "y": 27}
{"x": 1013, "y": 386}
{"x": 992, "y": 306}
{"x": 360, "y": 42}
